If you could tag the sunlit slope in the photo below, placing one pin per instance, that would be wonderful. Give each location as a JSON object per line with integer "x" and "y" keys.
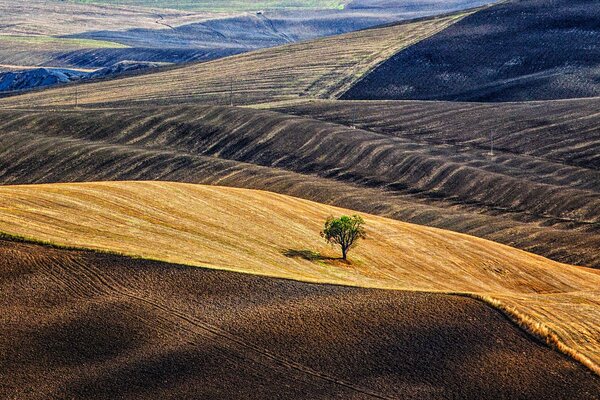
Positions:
{"x": 265, "y": 233}
{"x": 227, "y": 5}
{"x": 321, "y": 68}
{"x": 442, "y": 179}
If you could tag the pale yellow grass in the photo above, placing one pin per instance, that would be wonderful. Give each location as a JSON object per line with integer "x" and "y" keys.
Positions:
{"x": 249, "y": 231}
{"x": 323, "y": 68}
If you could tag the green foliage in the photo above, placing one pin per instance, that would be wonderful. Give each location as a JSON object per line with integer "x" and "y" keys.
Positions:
{"x": 344, "y": 232}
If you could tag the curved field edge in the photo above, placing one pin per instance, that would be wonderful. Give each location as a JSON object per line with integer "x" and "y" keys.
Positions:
{"x": 120, "y": 302}
{"x": 568, "y": 332}
{"x": 532, "y": 327}
{"x": 538, "y": 330}
{"x": 538, "y": 205}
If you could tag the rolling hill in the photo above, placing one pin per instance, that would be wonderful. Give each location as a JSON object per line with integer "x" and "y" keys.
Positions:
{"x": 35, "y": 78}
{"x": 125, "y": 162}
{"x": 227, "y": 5}
{"x": 142, "y": 328}
{"x": 113, "y": 327}
{"x": 320, "y": 68}
{"x": 224, "y": 228}
{"x": 59, "y": 34}
{"x": 513, "y": 51}
{"x": 562, "y": 132}
{"x": 436, "y": 184}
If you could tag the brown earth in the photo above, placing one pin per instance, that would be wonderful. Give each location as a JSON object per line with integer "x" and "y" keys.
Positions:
{"x": 85, "y": 325}
{"x": 274, "y": 235}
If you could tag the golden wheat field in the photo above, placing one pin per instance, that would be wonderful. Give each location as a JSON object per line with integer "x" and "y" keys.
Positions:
{"x": 270, "y": 234}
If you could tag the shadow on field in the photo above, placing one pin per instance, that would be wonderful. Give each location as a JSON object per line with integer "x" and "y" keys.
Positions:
{"x": 314, "y": 256}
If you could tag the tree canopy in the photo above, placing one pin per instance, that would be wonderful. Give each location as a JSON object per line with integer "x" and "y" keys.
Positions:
{"x": 344, "y": 232}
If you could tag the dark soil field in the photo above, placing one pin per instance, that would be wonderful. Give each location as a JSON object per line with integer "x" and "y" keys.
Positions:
{"x": 562, "y": 132}
{"x": 513, "y": 51}
{"x": 85, "y": 325}
{"x": 549, "y": 206}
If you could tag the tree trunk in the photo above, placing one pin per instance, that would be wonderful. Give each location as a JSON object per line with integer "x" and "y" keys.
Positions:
{"x": 344, "y": 251}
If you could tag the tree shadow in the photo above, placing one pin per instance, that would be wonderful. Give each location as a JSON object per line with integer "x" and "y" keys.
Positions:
{"x": 313, "y": 256}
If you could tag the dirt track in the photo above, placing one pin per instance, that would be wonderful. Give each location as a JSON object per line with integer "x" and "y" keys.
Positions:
{"x": 111, "y": 327}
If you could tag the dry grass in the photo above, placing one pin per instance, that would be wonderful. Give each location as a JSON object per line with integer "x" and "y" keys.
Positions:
{"x": 251, "y": 231}
{"x": 322, "y": 68}
{"x": 42, "y": 17}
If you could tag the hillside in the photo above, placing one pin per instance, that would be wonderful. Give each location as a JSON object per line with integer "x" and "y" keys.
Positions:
{"x": 42, "y": 77}
{"x": 224, "y": 228}
{"x": 513, "y": 51}
{"x": 319, "y": 68}
{"x": 59, "y": 34}
{"x": 227, "y": 5}
{"x": 561, "y": 132}
{"x": 415, "y": 181}
{"x": 159, "y": 231}
{"x": 143, "y": 328}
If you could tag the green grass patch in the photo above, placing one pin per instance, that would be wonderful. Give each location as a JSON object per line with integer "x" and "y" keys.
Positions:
{"x": 226, "y": 5}
{"x": 37, "y": 40}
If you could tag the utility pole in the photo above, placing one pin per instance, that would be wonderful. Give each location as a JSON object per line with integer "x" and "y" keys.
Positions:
{"x": 231, "y": 92}
{"x": 76, "y": 95}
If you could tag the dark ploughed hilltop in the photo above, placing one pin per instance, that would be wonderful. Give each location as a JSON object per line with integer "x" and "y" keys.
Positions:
{"x": 513, "y": 51}
{"x": 80, "y": 324}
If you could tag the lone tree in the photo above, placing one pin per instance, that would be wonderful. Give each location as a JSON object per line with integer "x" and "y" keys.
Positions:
{"x": 344, "y": 231}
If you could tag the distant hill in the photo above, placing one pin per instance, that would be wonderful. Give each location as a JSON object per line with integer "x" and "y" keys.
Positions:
{"x": 514, "y": 51}
{"x": 43, "y": 77}
{"x": 39, "y": 77}
{"x": 322, "y": 68}
{"x": 161, "y": 35}
{"x": 227, "y": 5}
{"x": 44, "y": 34}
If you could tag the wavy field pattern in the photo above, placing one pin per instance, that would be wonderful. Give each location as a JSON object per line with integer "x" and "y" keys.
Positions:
{"x": 195, "y": 166}
{"x": 224, "y": 228}
{"x": 539, "y": 205}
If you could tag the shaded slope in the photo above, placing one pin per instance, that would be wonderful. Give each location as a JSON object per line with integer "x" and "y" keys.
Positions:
{"x": 144, "y": 328}
{"x": 405, "y": 179}
{"x": 562, "y": 132}
{"x": 319, "y": 68}
{"x": 43, "y": 77}
{"x": 517, "y": 50}
{"x": 35, "y": 78}
{"x": 211, "y": 226}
